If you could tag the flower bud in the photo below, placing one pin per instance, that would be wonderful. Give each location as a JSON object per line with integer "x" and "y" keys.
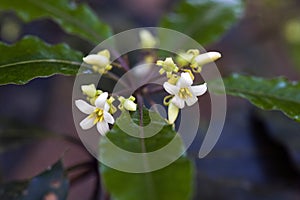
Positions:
{"x": 89, "y": 90}
{"x": 130, "y": 105}
{"x": 172, "y": 113}
{"x": 147, "y": 39}
{"x": 98, "y": 60}
{"x": 208, "y": 57}
{"x": 127, "y": 104}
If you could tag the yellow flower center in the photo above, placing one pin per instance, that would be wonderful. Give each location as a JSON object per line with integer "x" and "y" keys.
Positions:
{"x": 184, "y": 93}
{"x": 98, "y": 114}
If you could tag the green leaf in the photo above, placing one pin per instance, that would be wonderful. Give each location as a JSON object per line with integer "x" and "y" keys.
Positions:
{"x": 172, "y": 182}
{"x": 51, "y": 184}
{"x": 269, "y": 94}
{"x": 205, "y": 20}
{"x": 76, "y": 19}
{"x": 32, "y": 58}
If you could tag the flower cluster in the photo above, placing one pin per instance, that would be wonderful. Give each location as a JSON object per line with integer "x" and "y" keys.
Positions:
{"x": 180, "y": 73}
{"x": 180, "y": 86}
{"x": 100, "y": 108}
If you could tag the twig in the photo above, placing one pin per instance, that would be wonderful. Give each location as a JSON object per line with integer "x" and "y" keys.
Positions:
{"x": 121, "y": 60}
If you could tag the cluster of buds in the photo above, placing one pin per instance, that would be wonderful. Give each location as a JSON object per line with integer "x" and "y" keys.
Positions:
{"x": 180, "y": 76}
{"x": 100, "y": 108}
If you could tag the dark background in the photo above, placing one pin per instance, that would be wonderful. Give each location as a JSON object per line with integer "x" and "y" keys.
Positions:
{"x": 258, "y": 154}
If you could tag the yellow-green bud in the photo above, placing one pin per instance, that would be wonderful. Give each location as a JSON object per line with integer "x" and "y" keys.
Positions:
{"x": 172, "y": 113}
{"x": 208, "y": 57}
{"x": 147, "y": 39}
{"x": 127, "y": 104}
{"x": 89, "y": 90}
{"x": 112, "y": 108}
{"x": 173, "y": 79}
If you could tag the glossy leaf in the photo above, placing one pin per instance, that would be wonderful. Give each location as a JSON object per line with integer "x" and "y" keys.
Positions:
{"x": 269, "y": 94}
{"x": 51, "y": 184}
{"x": 76, "y": 19}
{"x": 32, "y": 58}
{"x": 172, "y": 182}
{"x": 205, "y": 21}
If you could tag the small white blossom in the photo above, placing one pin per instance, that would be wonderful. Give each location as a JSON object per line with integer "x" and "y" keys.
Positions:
{"x": 98, "y": 114}
{"x": 184, "y": 92}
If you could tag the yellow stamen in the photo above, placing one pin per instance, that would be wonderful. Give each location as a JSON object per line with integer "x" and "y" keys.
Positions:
{"x": 98, "y": 114}
{"x": 184, "y": 93}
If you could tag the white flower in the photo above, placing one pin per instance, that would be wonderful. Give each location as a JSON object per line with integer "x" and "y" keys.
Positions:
{"x": 98, "y": 114}
{"x": 184, "y": 92}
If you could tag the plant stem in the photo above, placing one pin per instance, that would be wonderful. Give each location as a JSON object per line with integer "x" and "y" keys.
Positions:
{"x": 122, "y": 62}
{"x": 157, "y": 89}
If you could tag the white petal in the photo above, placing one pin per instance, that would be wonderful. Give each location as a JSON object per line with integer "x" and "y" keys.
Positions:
{"x": 199, "y": 89}
{"x": 191, "y": 101}
{"x": 95, "y": 59}
{"x": 205, "y": 58}
{"x": 185, "y": 80}
{"x": 101, "y": 100}
{"x": 87, "y": 123}
{"x": 102, "y": 127}
{"x": 84, "y": 107}
{"x": 178, "y": 102}
{"x": 109, "y": 118}
{"x": 106, "y": 107}
{"x": 171, "y": 89}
